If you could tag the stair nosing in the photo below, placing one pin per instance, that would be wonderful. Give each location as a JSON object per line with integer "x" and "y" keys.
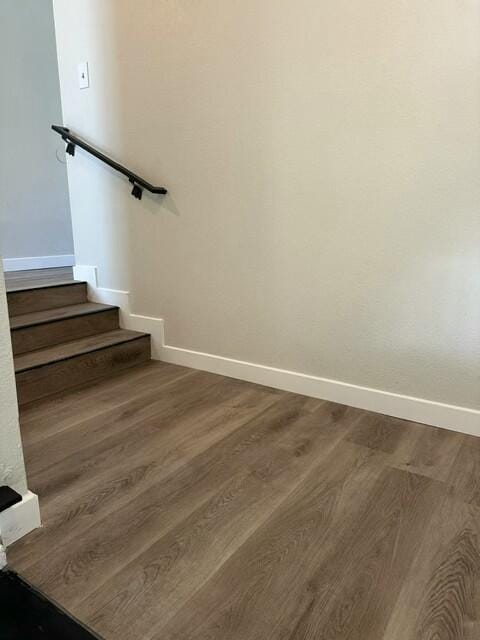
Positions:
{"x": 46, "y": 286}
{"x": 82, "y": 353}
{"x": 38, "y": 323}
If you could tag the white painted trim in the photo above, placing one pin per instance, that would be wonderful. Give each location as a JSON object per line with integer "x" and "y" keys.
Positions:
{"x": 128, "y": 320}
{"x": 38, "y": 262}
{"x": 147, "y": 324}
{"x": 86, "y": 273}
{"x": 437, "y": 414}
{"x": 407, "y": 407}
{"x": 17, "y": 521}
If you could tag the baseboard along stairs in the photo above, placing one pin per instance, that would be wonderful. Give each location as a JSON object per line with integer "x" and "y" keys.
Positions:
{"x": 61, "y": 340}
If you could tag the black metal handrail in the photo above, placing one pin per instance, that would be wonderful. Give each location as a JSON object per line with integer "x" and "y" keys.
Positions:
{"x": 138, "y": 183}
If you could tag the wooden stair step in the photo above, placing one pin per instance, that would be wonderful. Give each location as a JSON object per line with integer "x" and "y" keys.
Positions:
{"x": 46, "y": 371}
{"x": 23, "y": 300}
{"x": 13, "y": 285}
{"x": 57, "y": 313}
{"x": 66, "y": 350}
{"x": 49, "y": 327}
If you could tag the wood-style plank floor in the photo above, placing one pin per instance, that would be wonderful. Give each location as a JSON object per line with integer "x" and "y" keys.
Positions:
{"x": 37, "y": 277}
{"x": 178, "y": 504}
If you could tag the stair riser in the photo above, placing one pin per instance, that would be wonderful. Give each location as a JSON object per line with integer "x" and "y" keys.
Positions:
{"x": 31, "y": 300}
{"x": 56, "y": 332}
{"x": 45, "y": 380}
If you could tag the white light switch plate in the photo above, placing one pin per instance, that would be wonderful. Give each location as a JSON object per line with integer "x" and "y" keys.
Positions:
{"x": 83, "y": 78}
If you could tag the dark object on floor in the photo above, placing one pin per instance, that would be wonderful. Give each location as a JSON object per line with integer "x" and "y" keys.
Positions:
{"x": 8, "y": 497}
{"x": 26, "y": 614}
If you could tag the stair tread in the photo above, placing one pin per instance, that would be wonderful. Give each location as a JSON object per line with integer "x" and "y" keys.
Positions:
{"x": 57, "y": 313}
{"x": 66, "y": 350}
{"x": 42, "y": 284}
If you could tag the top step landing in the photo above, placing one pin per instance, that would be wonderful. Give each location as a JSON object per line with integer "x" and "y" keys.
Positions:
{"x": 28, "y": 278}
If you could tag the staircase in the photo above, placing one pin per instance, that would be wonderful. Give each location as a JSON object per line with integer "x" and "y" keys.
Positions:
{"x": 61, "y": 340}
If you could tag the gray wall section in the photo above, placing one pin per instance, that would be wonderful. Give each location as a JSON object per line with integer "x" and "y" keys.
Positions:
{"x": 34, "y": 204}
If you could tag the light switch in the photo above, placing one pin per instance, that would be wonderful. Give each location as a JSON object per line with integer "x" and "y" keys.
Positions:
{"x": 83, "y": 79}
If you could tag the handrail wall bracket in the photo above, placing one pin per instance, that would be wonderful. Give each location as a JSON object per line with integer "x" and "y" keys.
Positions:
{"x": 137, "y": 190}
{"x": 139, "y": 184}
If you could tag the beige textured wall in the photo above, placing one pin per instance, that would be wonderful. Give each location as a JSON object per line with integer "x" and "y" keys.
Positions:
{"x": 323, "y": 161}
{"x": 12, "y": 470}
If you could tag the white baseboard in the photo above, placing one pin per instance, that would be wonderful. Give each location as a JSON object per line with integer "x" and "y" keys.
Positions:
{"x": 429, "y": 412}
{"x": 407, "y": 407}
{"x": 128, "y": 320}
{"x": 17, "y": 521}
{"x": 38, "y": 262}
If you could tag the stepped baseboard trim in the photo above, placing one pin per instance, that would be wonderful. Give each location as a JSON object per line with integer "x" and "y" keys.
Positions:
{"x": 429, "y": 412}
{"x": 121, "y": 299}
{"x": 20, "y": 519}
{"x": 410, "y": 408}
{"x": 38, "y": 262}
